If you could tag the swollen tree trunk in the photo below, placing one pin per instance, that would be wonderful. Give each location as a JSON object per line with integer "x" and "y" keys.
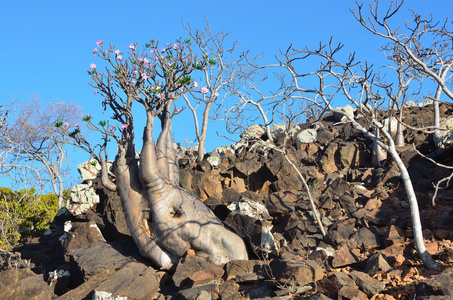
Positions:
{"x": 179, "y": 220}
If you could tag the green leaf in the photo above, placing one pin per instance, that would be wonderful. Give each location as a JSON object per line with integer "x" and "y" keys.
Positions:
{"x": 212, "y": 62}
{"x": 187, "y": 41}
{"x": 102, "y": 123}
{"x": 58, "y": 123}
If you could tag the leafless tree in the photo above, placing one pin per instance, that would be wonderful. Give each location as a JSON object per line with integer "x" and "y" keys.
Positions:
{"x": 359, "y": 85}
{"x": 420, "y": 50}
{"x": 221, "y": 72}
{"x": 33, "y": 151}
{"x": 164, "y": 219}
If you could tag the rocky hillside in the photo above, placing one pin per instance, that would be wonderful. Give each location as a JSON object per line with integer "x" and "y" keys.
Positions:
{"x": 367, "y": 253}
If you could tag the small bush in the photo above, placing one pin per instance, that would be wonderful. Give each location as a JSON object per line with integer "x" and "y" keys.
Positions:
{"x": 24, "y": 213}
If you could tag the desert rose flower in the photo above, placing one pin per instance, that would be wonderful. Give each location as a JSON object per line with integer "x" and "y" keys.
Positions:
{"x": 204, "y": 90}
{"x": 93, "y": 66}
{"x": 99, "y": 42}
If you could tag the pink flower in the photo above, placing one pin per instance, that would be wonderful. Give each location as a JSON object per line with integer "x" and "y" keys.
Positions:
{"x": 204, "y": 90}
{"x": 163, "y": 50}
{"x": 93, "y": 66}
{"x": 160, "y": 96}
{"x": 124, "y": 126}
{"x": 95, "y": 92}
{"x": 175, "y": 46}
{"x": 95, "y": 51}
{"x": 117, "y": 52}
{"x": 167, "y": 44}
{"x": 195, "y": 84}
{"x": 99, "y": 42}
{"x": 135, "y": 72}
{"x": 216, "y": 94}
{"x": 131, "y": 47}
{"x": 66, "y": 125}
{"x": 145, "y": 76}
{"x": 119, "y": 57}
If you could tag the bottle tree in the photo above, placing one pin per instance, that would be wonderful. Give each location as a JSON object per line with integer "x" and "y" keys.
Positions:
{"x": 164, "y": 219}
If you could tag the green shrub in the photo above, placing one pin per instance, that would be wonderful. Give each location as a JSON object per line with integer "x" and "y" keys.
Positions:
{"x": 24, "y": 213}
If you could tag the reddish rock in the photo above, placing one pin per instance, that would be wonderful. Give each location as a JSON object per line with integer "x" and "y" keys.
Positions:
{"x": 194, "y": 271}
{"x": 343, "y": 257}
{"x": 296, "y": 271}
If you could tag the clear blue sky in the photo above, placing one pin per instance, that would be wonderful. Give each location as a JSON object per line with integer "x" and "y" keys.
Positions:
{"x": 46, "y": 46}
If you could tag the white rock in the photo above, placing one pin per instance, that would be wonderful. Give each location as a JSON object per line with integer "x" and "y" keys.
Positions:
{"x": 91, "y": 169}
{"x": 83, "y": 197}
{"x": 409, "y": 104}
{"x": 253, "y": 132}
{"x": 250, "y": 208}
{"x": 339, "y": 117}
{"x": 214, "y": 160}
{"x": 307, "y": 136}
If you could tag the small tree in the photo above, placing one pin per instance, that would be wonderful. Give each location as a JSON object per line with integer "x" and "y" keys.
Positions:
{"x": 164, "y": 219}
{"x": 33, "y": 151}
{"x": 358, "y": 85}
{"x": 421, "y": 49}
{"x": 221, "y": 72}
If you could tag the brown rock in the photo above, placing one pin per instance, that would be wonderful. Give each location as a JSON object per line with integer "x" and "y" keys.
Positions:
{"x": 332, "y": 284}
{"x": 395, "y": 235}
{"x": 194, "y": 271}
{"x": 23, "y": 284}
{"x": 80, "y": 235}
{"x": 98, "y": 256}
{"x": 343, "y": 257}
{"x": 84, "y": 290}
{"x": 299, "y": 271}
{"x": 366, "y": 283}
{"x": 351, "y": 294}
{"x": 375, "y": 263}
{"x": 135, "y": 281}
{"x": 240, "y": 267}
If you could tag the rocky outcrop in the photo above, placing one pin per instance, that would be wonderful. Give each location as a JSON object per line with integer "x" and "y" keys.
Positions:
{"x": 258, "y": 195}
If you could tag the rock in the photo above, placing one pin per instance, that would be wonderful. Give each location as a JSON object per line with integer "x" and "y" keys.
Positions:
{"x": 224, "y": 150}
{"x": 395, "y": 235}
{"x": 280, "y": 203}
{"x": 240, "y": 267}
{"x": 214, "y": 160}
{"x": 306, "y": 136}
{"x": 366, "y": 283}
{"x": 289, "y": 182}
{"x": 319, "y": 296}
{"x": 439, "y": 284}
{"x": 351, "y": 294}
{"x": 375, "y": 263}
{"x": 276, "y": 130}
{"x": 347, "y": 203}
{"x": 98, "y": 256}
{"x": 83, "y": 198}
{"x": 85, "y": 290}
{"x": 366, "y": 238}
{"x": 332, "y": 284}
{"x": 343, "y": 257}
{"x": 23, "y": 284}
{"x": 250, "y": 208}
{"x": 194, "y": 270}
{"x": 91, "y": 169}
{"x": 60, "y": 280}
{"x": 253, "y": 132}
{"x": 247, "y": 167}
{"x": 328, "y": 161}
{"x": 205, "y": 292}
{"x": 135, "y": 281}
{"x": 229, "y": 289}
{"x": 296, "y": 272}
{"x": 80, "y": 235}
{"x": 340, "y": 115}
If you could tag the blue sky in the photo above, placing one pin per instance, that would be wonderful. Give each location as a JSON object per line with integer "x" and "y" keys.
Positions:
{"x": 46, "y": 46}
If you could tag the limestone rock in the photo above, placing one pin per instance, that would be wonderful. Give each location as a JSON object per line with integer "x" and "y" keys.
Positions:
{"x": 91, "y": 169}
{"x": 340, "y": 117}
{"x": 81, "y": 234}
{"x": 253, "y": 132}
{"x": 83, "y": 198}
{"x": 306, "y": 136}
{"x": 23, "y": 284}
